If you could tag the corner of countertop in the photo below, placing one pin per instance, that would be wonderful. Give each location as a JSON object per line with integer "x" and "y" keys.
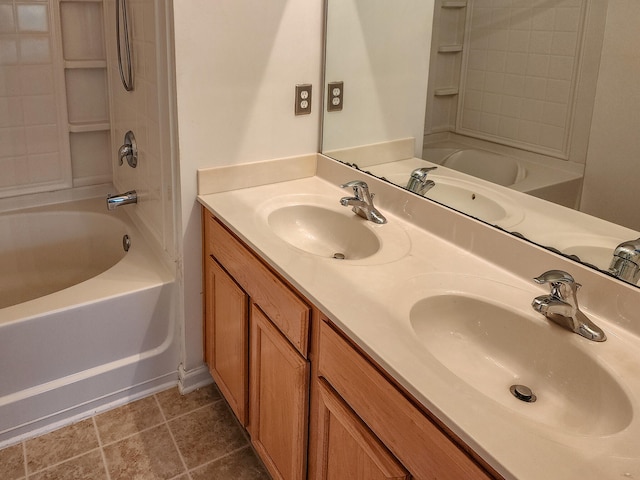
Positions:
{"x": 246, "y": 175}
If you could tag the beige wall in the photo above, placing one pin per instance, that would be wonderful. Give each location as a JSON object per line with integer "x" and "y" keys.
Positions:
{"x": 613, "y": 160}
{"x": 237, "y": 63}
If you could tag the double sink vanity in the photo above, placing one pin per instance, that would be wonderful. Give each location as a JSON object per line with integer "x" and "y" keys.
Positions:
{"x": 406, "y": 343}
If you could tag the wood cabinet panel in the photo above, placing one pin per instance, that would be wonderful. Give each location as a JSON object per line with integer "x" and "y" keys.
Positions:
{"x": 419, "y": 444}
{"x": 279, "y": 386}
{"x": 283, "y": 307}
{"x": 348, "y": 449}
{"x": 227, "y": 337}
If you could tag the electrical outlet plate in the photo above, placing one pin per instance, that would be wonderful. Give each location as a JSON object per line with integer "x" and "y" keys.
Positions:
{"x": 303, "y": 99}
{"x": 335, "y": 92}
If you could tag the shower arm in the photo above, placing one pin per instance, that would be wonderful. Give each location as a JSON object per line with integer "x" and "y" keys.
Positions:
{"x": 127, "y": 81}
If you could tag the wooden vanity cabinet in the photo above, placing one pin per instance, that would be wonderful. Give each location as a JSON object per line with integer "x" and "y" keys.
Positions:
{"x": 411, "y": 436}
{"x": 256, "y": 346}
{"x": 346, "y": 446}
{"x": 227, "y": 337}
{"x": 313, "y": 403}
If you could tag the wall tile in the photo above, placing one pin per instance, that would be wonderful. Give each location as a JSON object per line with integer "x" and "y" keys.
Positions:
{"x": 7, "y": 19}
{"x": 8, "y": 51}
{"x": 521, "y": 63}
{"x": 35, "y": 50}
{"x": 32, "y": 18}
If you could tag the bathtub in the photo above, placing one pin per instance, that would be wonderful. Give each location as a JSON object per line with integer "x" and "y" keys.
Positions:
{"x": 84, "y": 324}
{"x": 550, "y": 179}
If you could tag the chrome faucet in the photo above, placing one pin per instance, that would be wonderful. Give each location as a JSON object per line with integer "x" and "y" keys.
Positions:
{"x": 115, "y": 201}
{"x": 626, "y": 261}
{"x": 362, "y": 202}
{"x": 418, "y": 182}
{"x": 129, "y": 150}
{"x": 561, "y": 306}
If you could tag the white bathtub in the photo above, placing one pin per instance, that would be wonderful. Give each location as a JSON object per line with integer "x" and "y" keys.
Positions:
{"x": 549, "y": 179}
{"x": 83, "y": 324}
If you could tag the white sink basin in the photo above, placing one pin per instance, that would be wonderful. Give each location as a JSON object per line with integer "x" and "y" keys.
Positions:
{"x": 324, "y": 232}
{"x": 318, "y": 225}
{"x": 488, "y": 346}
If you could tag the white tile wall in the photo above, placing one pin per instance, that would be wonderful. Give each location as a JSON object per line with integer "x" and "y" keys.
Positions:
{"x": 519, "y": 72}
{"x": 32, "y": 152}
{"x": 144, "y": 111}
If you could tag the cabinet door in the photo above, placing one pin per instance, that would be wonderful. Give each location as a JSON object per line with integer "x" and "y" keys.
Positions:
{"x": 348, "y": 449}
{"x": 279, "y": 389}
{"x": 226, "y": 337}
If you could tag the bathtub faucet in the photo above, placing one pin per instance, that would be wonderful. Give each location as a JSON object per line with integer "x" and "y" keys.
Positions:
{"x": 114, "y": 201}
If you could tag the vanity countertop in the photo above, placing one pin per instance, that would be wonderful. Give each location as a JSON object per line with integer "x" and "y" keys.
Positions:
{"x": 371, "y": 300}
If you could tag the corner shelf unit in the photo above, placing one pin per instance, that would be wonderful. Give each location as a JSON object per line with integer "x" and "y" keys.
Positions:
{"x": 445, "y": 66}
{"x": 84, "y": 63}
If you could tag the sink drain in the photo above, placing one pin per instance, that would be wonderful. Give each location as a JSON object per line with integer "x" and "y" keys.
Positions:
{"x": 339, "y": 256}
{"x": 522, "y": 392}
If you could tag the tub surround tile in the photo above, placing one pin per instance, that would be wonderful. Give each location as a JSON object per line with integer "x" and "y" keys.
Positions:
{"x": 88, "y": 465}
{"x": 207, "y": 434}
{"x": 12, "y": 463}
{"x": 150, "y": 455}
{"x": 240, "y": 465}
{"x": 129, "y": 419}
{"x": 61, "y": 445}
{"x": 174, "y": 404}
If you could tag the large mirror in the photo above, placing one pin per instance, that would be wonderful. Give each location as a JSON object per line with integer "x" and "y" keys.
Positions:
{"x": 521, "y": 113}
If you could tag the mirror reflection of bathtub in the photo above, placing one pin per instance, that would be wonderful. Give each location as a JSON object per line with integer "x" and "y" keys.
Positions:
{"x": 493, "y": 186}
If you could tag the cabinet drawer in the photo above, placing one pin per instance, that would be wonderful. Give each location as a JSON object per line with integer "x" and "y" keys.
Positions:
{"x": 412, "y": 437}
{"x": 281, "y": 304}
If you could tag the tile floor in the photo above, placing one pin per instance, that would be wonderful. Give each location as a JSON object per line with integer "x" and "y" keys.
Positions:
{"x": 164, "y": 436}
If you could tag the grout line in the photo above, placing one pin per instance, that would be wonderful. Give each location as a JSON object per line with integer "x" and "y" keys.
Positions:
{"x": 102, "y": 454}
{"x": 194, "y": 410}
{"x": 228, "y": 454}
{"x": 24, "y": 460}
{"x": 64, "y": 461}
{"x": 173, "y": 439}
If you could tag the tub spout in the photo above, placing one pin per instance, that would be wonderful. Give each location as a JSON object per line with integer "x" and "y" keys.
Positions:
{"x": 114, "y": 201}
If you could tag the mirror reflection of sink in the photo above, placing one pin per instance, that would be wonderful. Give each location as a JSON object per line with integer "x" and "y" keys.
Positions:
{"x": 490, "y": 348}
{"x": 324, "y": 232}
{"x": 590, "y": 248}
{"x": 472, "y": 199}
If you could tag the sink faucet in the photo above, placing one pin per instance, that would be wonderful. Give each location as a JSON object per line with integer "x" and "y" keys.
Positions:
{"x": 418, "y": 182}
{"x": 561, "y": 306}
{"x": 626, "y": 261}
{"x": 362, "y": 202}
{"x": 114, "y": 201}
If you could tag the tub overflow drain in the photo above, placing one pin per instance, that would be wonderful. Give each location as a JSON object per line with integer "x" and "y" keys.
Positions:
{"x": 522, "y": 392}
{"x": 126, "y": 243}
{"x": 339, "y": 256}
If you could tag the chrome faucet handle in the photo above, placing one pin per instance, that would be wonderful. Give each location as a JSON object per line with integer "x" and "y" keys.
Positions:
{"x": 625, "y": 263}
{"x": 360, "y": 190}
{"x": 129, "y": 150}
{"x": 563, "y": 285}
{"x": 421, "y": 173}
